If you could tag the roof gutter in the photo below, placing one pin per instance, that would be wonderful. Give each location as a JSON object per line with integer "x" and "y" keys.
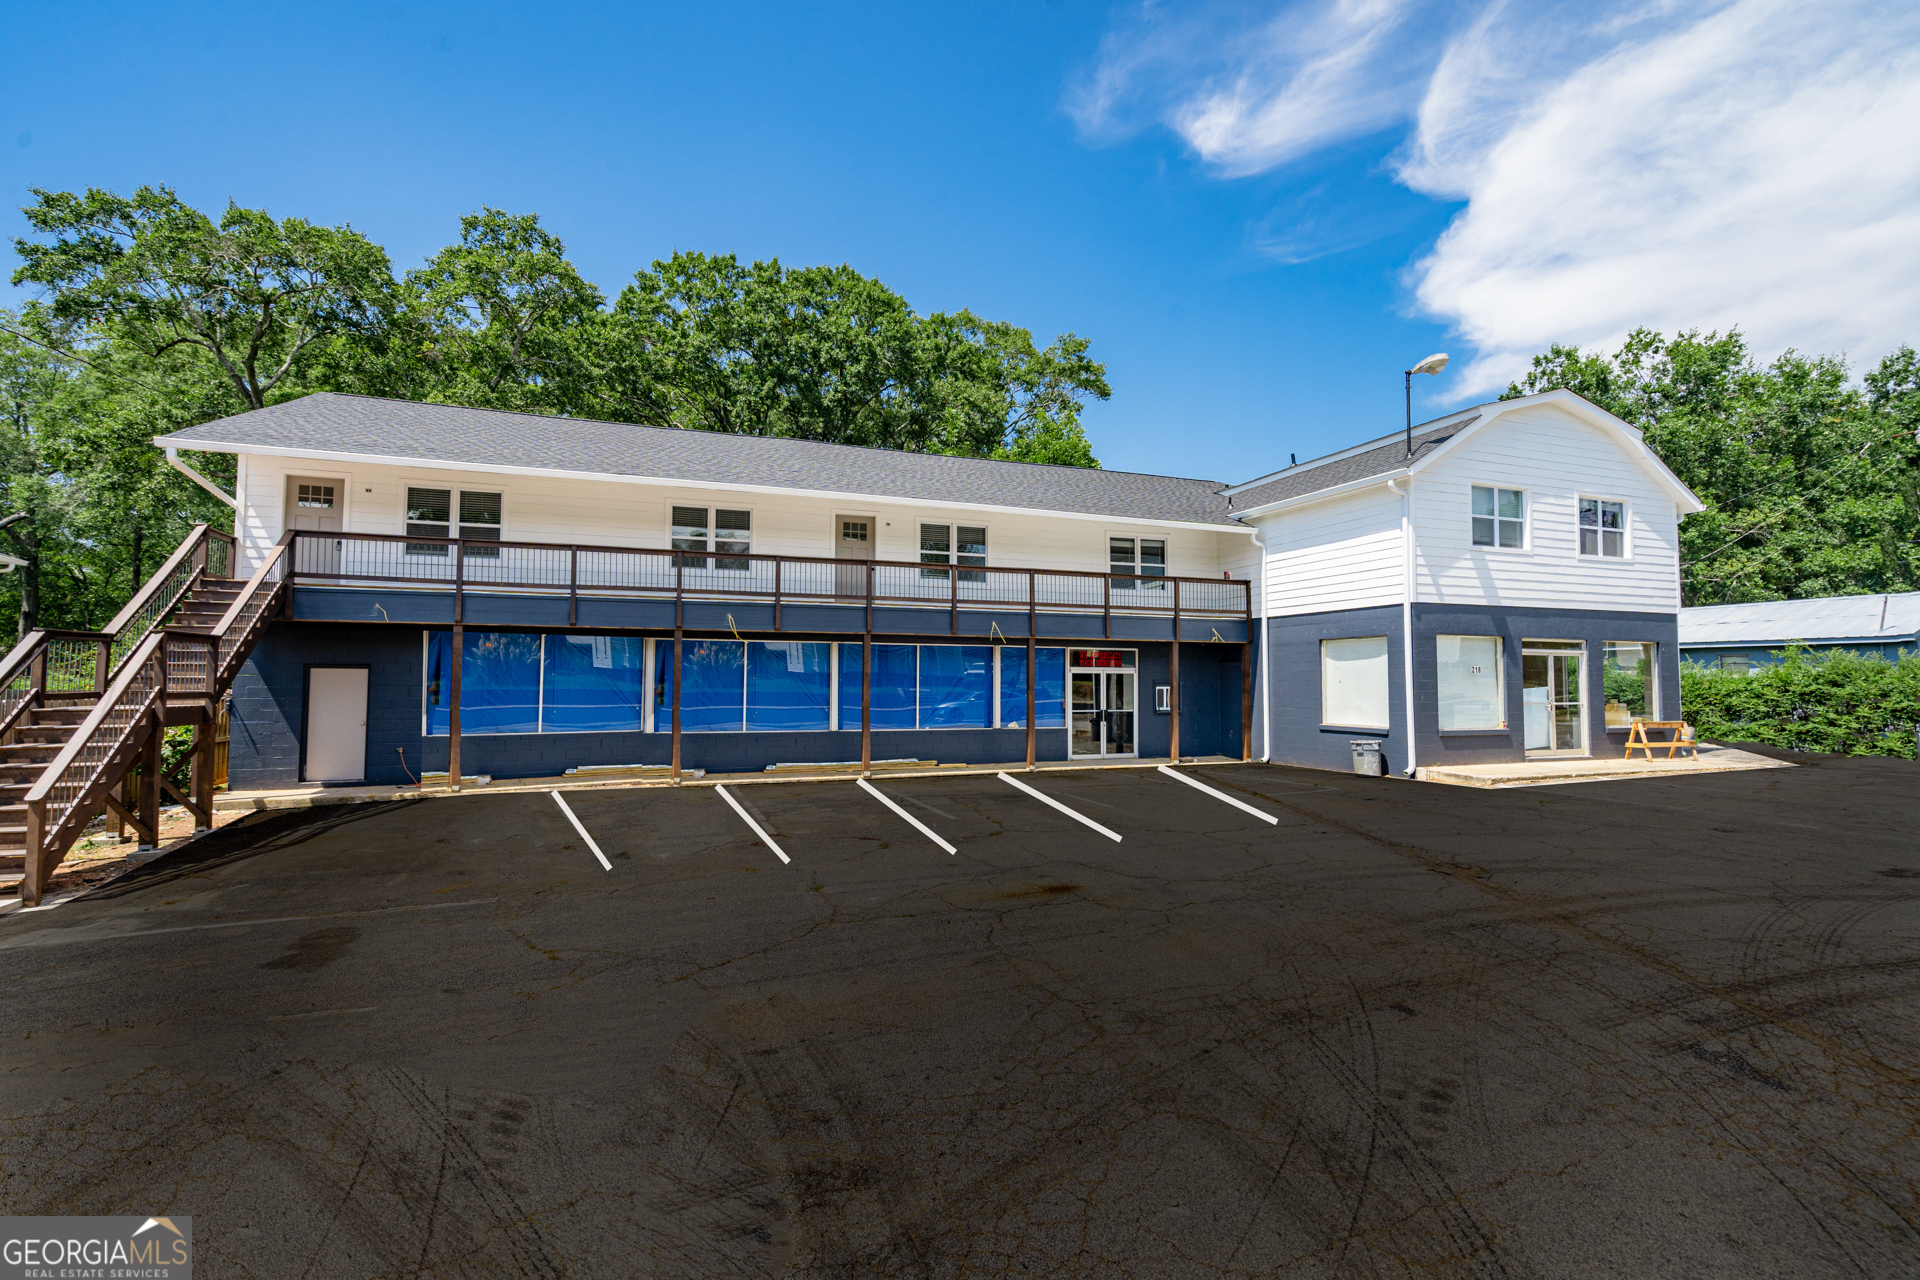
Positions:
{"x": 173, "y": 460}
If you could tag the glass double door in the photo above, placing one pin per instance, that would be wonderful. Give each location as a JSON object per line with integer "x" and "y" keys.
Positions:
{"x": 1103, "y": 713}
{"x": 1550, "y": 699}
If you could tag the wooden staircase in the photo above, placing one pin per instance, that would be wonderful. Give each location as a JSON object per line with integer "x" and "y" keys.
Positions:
{"x": 79, "y": 710}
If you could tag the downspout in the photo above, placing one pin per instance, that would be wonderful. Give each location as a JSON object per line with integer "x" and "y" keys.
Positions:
{"x": 1406, "y": 613}
{"x": 173, "y": 460}
{"x": 1266, "y": 650}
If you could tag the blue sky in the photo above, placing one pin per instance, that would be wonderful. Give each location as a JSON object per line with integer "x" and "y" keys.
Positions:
{"x": 1243, "y": 206}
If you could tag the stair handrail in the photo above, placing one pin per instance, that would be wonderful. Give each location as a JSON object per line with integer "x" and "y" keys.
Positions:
{"x": 36, "y": 645}
{"x": 169, "y": 584}
{"x": 108, "y": 716}
{"x": 251, "y": 598}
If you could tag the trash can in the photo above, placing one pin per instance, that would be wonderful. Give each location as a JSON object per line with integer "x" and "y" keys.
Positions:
{"x": 1367, "y": 758}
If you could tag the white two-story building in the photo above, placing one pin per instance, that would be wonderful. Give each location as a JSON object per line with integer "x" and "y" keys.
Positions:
{"x": 516, "y": 595}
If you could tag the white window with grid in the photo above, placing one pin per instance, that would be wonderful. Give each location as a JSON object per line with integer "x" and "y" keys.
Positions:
{"x": 1603, "y": 528}
{"x": 1499, "y": 517}
{"x": 1132, "y": 560}
{"x": 430, "y": 514}
{"x": 949, "y": 544}
{"x": 720, "y": 529}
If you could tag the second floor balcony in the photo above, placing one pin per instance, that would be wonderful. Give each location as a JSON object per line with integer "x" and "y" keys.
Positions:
{"x": 437, "y": 581}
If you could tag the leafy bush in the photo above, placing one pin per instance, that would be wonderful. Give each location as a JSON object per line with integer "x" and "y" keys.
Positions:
{"x": 1834, "y": 702}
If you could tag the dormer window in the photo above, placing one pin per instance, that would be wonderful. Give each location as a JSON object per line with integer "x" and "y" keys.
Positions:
{"x": 1499, "y": 517}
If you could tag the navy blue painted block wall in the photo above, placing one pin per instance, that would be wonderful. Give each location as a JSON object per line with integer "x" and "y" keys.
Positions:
{"x": 1294, "y": 687}
{"x": 1294, "y": 692}
{"x": 269, "y": 709}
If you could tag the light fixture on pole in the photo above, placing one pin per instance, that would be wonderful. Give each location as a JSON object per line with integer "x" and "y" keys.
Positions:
{"x": 1432, "y": 364}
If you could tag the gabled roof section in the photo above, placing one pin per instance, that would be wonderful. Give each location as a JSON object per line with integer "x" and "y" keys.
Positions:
{"x": 1387, "y": 458}
{"x": 1880, "y": 619}
{"x": 1383, "y": 458}
{"x": 348, "y": 428}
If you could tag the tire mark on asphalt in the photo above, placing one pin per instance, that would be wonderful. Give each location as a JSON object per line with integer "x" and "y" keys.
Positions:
{"x": 1532, "y": 908}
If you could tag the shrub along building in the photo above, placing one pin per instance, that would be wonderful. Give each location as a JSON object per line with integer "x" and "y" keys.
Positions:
{"x": 494, "y": 593}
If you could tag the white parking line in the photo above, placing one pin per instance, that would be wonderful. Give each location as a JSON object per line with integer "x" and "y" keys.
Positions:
{"x": 1043, "y": 798}
{"x": 917, "y": 825}
{"x": 748, "y": 819}
{"x": 1221, "y": 795}
{"x": 561, "y": 801}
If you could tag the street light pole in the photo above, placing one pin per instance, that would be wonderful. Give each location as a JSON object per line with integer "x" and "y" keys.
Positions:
{"x": 1432, "y": 364}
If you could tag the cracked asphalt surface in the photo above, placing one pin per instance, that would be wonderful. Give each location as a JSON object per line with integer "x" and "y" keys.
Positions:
{"x": 1648, "y": 1028}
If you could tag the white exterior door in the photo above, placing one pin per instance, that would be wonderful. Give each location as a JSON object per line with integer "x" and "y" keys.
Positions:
{"x": 336, "y": 724}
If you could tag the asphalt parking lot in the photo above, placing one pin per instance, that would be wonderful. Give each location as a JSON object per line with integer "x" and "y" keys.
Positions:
{"x": 1648, "y": 1028}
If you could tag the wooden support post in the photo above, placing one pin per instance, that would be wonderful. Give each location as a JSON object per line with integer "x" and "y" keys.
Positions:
{"x": 1033, "y": 670}
{"x": 953, "y": 602}
{"x": 1173, "y": 690}
{"x": 150, "y": 782}
{"x": 34, "y": 883}
{"x": 200, "y": 776}
{"x": 1246, "y": 698}
{"x": 1033, "y": 675}
{"x": 453, "y": 706}
{"x": 1106, "y": 608}
{"x": 573, "y": 587}
{"x": 673, "y": 677}
{"x": 866, "y": 702}
{"x": 102, "y": 666}
{"x": 776, "y": 593}
{"x": 679, "y": 634}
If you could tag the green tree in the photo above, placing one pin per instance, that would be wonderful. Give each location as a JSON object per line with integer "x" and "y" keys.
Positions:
{"x": 153, "y": 274}
{"x": 502, "y": 320}
{"x": 1809, "y": 484}
{"x": 824, "y": 353}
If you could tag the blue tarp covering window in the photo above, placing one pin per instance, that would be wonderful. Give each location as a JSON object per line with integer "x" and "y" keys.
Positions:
{"x": 894, "y": 679}
{"x": 593, "y": 684}
{"x": 1049, "y": 689}
{"x": 499, "y": 682}
{"x": 714, "y": 699}
{"x": 956, "y": 686}
{"x": 789, "y": 685}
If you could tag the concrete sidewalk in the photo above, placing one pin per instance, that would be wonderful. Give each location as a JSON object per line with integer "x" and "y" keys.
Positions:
{"x": 1554, "y": 772}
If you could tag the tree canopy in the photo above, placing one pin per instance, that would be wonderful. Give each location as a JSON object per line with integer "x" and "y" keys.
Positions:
{"x": 1811, "y": 483}
{"x": 152, "y": 315}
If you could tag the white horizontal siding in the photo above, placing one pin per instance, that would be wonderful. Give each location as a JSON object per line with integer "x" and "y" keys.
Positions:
{"x": 1345, "y": 553}
{"x": 607, "y": 513}
{"x": 1557, "y": 459}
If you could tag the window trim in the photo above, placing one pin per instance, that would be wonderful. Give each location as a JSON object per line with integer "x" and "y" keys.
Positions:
{"x": 1653, "y": 679}
{"x": 1136, "y": 538}
{"x": 1526, "y": 517}
{"x": 933, "y": 571}
{"x": 1626, "y": 527}
{"x": 713, "y": 552}
{"x": 1500, "y": 676}
{"x": 453, "y": 492}
{"x": 1337, "y": 724}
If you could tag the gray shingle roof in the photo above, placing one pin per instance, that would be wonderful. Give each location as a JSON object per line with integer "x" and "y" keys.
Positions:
{"x": 1339, "y": 469}
{"x": 402, "y": 429}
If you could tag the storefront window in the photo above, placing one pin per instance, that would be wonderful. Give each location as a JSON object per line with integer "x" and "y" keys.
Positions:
{"x": 1627, "y": 668}
{"x": 1353, "y": 682}
{"x": 499, "y": 683}
{"x": 1049, "y": 688}
{"x": 592, "y": 684}
{"x": 1470, "y": 682}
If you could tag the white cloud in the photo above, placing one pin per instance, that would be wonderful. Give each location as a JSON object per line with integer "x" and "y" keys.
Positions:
{"x": 1752, "y": 164}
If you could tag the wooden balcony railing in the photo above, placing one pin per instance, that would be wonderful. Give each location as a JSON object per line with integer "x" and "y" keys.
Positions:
{"x": 472, "y": 566}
